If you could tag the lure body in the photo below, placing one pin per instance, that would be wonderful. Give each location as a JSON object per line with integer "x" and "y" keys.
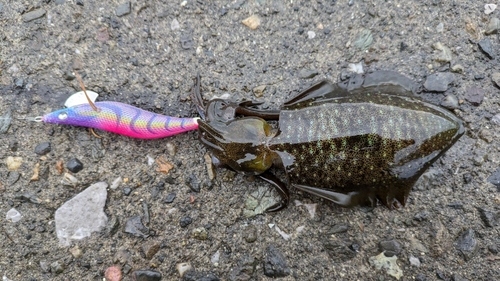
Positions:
{"x": 122, "y": 119}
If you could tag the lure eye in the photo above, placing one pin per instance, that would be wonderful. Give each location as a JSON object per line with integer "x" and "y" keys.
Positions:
{"x": 62, "y": 116}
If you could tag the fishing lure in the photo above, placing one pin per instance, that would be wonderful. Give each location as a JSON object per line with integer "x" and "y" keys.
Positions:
{"x": 119, "y": 118}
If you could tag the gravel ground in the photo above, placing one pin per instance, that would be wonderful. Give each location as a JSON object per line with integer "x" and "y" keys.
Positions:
{"x": 135, "y": 53}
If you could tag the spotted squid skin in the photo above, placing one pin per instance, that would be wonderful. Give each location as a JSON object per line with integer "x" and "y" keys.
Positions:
{"x": 373, "y": 146}
{"x": 122, "y": 119}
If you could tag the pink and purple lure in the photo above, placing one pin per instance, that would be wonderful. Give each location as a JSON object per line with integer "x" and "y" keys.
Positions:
{"x": 122, "y": 119}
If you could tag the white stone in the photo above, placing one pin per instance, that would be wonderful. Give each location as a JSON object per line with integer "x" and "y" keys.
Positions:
{"x": 82, "y": 215}
{"x": 489, "y": 8}
{"x": 183, "y": 268}
{"x": 175, "y": 24}
{"x": 215, "y": 258}
{"x": 414, "y": 261}
{"x": 13, "y": 215}
{"x": 116, "y": 183}
{"x": 311, "y": 34}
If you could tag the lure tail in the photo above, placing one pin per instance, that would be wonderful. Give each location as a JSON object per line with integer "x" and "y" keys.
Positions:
{"x": 122, "y": 119}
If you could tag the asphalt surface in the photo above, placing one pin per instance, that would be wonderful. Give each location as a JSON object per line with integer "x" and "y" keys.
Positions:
{"x": 136, "y": 54}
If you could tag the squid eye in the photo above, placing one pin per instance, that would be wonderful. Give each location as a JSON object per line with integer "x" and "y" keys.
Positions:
{"x": 62, "y": 116}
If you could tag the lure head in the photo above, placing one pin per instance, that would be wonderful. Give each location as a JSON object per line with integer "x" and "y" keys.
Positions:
{"x": 240, "y": 143}
{"x": 80, "y": 115}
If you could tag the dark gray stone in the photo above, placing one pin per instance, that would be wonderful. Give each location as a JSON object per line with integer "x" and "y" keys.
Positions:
{"x": 245, "y": 270}
{"x": 43, "y": 148}
{"x": 170, "y": 198}
{"x": 390, "y": 247}
{"x": 494, "y": 179}
{"x": 146, "y": 275}
{"x": 275, "y": 264}
{"x": 474, "y": 95}
{"x": 5, "y": 121}
{"x": 19, "y": 82}
{"x": 306, "y": 73}
{"x": 74, "y": 165}
{"x": 339, "y": 228}
{"x": 490, "y": 218}
{"x": 127, "y": 191}
{"x": 123, "y": 9}
{"x": 339, "y": 251}
{"x": 33, "y": 15}
{"x": 439, "y": 82}
{"x": 487, "y": 48}
{"x": 193, "y": 183}
{"x": 193, "y": 275}
{"x": 466, "y": 244}
{"x": 185, "y": 221}
{"x": 135, "y": 227}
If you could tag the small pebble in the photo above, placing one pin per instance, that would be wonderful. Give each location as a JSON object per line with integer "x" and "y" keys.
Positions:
{"x": 311, "y": 34}
{"x": 450, "y": 102}
{"x": 457, "y": 68}
{"x": 489, "y": 8}
{"x": 171, "y": 148}
{"x": 439, "y": 82}
{"x": 307, "y": 74}
{"x": 57, "y": 267}
{"x": 33, "y": 15}
{"x": 185, "y": 221}
{"x": 5, "y": 121}
{"x": 127, "y": 191}
{"x": 252, "y": 22}
{"x": 444, "y": 53}
{"x": 364, "y": 39}
{"x": 74, "y": 165}
{"x": 390, "y": 247}
{"x": 495, "y": 77}
{"x": 467, "y": 244}
{"x": 146, "y": 275}
{"x": 250, "y": 234}
{"x": 414, "y": 261}
{"x": 123, "y": 9}
{"x": 496, "y": 119}
{"x": 474, "y": 95}
{"x": 13, "y": 163}
{"x": 170, "y": 198}
{"x": 199, "y": 233}
{"x": 490, "y": 218}
{"x": 76, "y": 252}
{"x": 193, "y": 183}
{"x": 182, "y": 268}
{"x": 487, "y": 48}
{"x": 113, "y": 273}
{"x": 43, "y": 148}
{"x": 134, "y": 226}
{"x": 13, "y": 215}
{"x": 259, "y": 91}
{"x": 116, "y": 183}
{"x": 175, "y": 24}
{"x": 493, "y": 26}
{"x": 275, "y": 264}
{"x": 440, "y": 27}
